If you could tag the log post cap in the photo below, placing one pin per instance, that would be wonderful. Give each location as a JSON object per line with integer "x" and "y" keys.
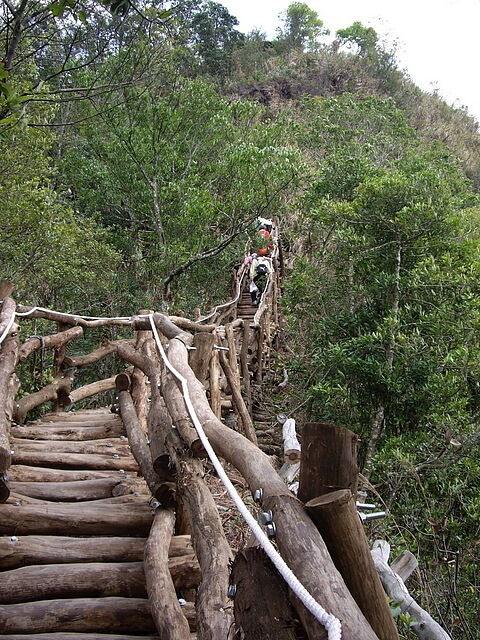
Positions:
{"x": 123, "y": 382}
{"x": 339, "y": 498}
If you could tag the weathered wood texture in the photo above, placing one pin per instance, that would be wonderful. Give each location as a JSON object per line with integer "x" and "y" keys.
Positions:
{"x": 94, "y": 356}
{"x": 337, "y": 519}
{"x": 137, "y": 440}
{"x": 70, "y": 431}
{"x": 262, "y": 607}
{"x": 8, "y": 356}
{"x": 49, "y": 393}
{"x": 54, "y": 341}
{"x": 424, "y": 626}
{"x": 97, "y": 520}
{"x": 201, "y": 356}
{"x": 328, "y": 460}
{"x": 74, "y": 460}
{"x": 89, "y": 390}
{"x": 166, "y": 611}
{"x": 30, "y": 549}
{"x": 67, "y": 491}
{"x": 24, "y": 473}
{"x": 94, "y": 579}
{"x": 107, "y": 615}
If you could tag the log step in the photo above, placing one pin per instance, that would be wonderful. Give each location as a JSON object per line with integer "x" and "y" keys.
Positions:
{"x": 90, "y": 580}
{"x": 91, "y": 520}
{"x": 65, "y": 432}
{"x": 24, "y": 550}
{"x": 75, "y": 460}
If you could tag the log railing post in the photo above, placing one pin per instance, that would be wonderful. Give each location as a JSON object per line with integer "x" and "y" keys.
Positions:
{"x": 8, "y": 385}
{"x": 328, "y": 460}
{"x": 337, "y": 519}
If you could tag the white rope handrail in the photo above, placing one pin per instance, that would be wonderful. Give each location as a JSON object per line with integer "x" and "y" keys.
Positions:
{"x": 7, "y": 328}
{"x": 230, "y": 302}
{"x": 328, "y": 620}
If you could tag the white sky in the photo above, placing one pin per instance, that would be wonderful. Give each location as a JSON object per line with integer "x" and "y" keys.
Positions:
{"x": 437, "y": 40}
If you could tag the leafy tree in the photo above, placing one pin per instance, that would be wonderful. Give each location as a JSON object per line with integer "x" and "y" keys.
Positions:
{"x": 214, "y": 37}
{"x": 302, "y": 27}
{"x": 48, "y": 251}
{"x": 365, "y": 39}
{"x": 389, "y": 273}
{"x": 184, "y": 173}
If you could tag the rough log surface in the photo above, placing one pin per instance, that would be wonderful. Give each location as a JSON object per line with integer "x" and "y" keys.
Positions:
{"x": 167, "y": 613}
{"x": 336, "y": 517}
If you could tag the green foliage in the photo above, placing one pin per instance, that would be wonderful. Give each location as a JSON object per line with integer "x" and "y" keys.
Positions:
{"x": 301, "y": 27}
{"x": 44, "y": 244}
{"x": 378, "y": 336}
{"x": 364, "y": 38}
{"x": 182, "y": 171}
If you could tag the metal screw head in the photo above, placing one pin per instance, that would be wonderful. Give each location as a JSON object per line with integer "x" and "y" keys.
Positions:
{"x": 266, "y": 517}
{"x": 258, "y": 495}
{"x": 271, "y": 530}
{"x": 232, "y": 590}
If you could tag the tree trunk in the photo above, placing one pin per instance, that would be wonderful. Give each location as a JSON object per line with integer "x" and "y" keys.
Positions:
{"x": 379, "y": 413}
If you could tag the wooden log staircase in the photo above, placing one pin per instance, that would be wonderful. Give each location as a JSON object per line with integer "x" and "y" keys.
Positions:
{"x": 108, "y": 529}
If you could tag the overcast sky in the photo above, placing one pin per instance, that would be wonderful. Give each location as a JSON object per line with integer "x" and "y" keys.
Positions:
{"x": 437, "y": 40}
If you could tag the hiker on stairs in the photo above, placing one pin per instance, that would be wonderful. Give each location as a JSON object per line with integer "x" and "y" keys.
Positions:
{"x": 260, "y": 270}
